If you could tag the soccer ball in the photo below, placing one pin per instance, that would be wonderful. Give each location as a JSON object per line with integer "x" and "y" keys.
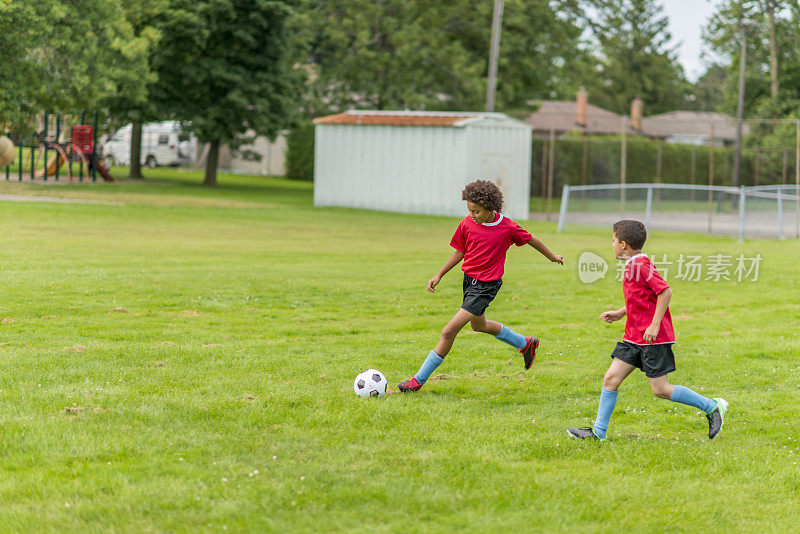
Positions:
{"x": 370, "y": 383}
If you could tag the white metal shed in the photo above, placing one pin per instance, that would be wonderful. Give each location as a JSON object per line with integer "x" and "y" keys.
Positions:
{"x": 419, "y": 162}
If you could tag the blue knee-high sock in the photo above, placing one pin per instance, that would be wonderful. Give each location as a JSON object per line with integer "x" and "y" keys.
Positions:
{"x": 687, "y": 396}
{"x": 510, "y": 337}
{"x": 428, "y": 366}
{"x": 608, "y": 399}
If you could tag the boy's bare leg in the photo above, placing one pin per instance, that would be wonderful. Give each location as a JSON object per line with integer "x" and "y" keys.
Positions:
{"x": 481, "y": 324}
{"x": 617, "y": 372}
{"x": 451, "y": 330}
{"x": 661, "y": 387}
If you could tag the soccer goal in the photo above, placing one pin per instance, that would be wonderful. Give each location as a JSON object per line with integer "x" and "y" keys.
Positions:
{"x": 761, "y": 211}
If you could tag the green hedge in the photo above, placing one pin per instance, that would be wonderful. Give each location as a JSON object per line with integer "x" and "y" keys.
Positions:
{"x": 603, "y": 163}
{"x": 300, "y": 152}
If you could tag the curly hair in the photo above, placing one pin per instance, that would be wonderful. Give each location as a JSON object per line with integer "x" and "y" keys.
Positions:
{"x": 633, "y": 233}
{"x": 483, "y": 193}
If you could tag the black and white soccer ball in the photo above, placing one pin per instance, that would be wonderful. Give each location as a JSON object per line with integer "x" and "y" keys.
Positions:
{"x": 370, "y": 383}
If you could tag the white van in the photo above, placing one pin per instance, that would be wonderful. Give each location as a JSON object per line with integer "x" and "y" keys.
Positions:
{"x": 163, "y": 143}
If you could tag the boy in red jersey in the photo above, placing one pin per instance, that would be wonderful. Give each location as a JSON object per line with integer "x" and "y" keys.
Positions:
{"x": 647, "y": 343}
{"x": 481, "y": 240}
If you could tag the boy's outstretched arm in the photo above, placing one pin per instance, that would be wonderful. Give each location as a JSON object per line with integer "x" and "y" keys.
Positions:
{"x": 451, "y": 262}
{"x": 614, "y": 315}
{"x": 541, "y": 247}
{"x": 662, "y": 302}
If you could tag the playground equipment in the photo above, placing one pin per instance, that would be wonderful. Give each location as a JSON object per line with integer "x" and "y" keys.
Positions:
{"x": 6, "y": 151}
{"x": 54, "y": 162}
{"x": 79, "y": 150}
{"x": 83, "y": 144}
{"x": 42, "y": 156}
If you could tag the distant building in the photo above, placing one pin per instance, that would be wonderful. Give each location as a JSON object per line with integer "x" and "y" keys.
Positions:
{"x": 687, "y": 127}
{"x": 692, "y": 127}
{"x": 563, "y": 116}
{"x": 261, "y": 156}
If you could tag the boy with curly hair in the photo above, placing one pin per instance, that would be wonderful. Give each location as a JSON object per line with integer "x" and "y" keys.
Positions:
{"x": 481, "y": 240}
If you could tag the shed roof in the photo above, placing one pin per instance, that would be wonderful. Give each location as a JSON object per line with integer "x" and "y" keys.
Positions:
{"x": 410, "y": 118}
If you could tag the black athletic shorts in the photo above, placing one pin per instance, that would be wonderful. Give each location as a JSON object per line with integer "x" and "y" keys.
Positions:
{"x": 654, "y": 360}
{"x": 478, "y": 295}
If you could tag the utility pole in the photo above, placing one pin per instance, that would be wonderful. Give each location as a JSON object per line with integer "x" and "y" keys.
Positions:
{"x": 737, "y": 155}
{"x": 494, "y": 52}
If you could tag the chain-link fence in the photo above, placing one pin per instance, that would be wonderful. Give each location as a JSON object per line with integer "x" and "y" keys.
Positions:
{"x": 762, "y": 211}
{"x": 667, "y": 151}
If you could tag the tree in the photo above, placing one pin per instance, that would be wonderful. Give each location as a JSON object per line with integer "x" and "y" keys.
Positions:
{"x": 132, "y": 102}
{"x": 772, "y": 8}
{"x": 772, "y": 80}
{"x": 772, "y": 47}
{"x": 540, "y": 50}
{"x": 428, "y": 54}
{"x": 383, "y": 55}
{"x": 17, "y": 70}
{"x": 222, "y": 66}
{"x": 45, "y": 60}
{"x": 635, "y": 57}
{"x": 708, "y": 95}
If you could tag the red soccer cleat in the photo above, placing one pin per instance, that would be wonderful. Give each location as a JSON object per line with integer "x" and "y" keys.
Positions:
{"x": 529, "y": 351}
{"x": 409, "y": 385}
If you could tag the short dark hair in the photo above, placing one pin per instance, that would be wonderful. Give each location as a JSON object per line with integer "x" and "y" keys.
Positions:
{"x": 484, "y": 193}
{"x": 632, "y": 232}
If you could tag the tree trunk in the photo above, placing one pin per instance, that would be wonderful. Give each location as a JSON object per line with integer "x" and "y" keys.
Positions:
{"x": 773, "y": 52}
{"x": 136, "y": 152}
{"x": 211, "y": 164}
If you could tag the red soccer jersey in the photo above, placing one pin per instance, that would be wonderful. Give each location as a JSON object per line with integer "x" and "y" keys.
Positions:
{"x": 641, "y": 285}
{"x": 485, "y": 245}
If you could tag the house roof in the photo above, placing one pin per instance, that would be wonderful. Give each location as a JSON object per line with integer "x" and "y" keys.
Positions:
{"x": 696, "y": 123}
{"x": 561, "y": 116}
{"x": 408, "y": 118}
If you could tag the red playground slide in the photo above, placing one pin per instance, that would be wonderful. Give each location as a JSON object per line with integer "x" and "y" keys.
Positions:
{"x": 102, "y": 169}
{"x": 83, "y": 143}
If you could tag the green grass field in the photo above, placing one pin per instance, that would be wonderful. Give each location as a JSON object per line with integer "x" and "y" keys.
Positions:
{"x": 176, "y": 358}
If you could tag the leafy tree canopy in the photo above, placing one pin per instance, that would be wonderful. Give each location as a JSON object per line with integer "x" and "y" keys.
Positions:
{"x": 222, "y": 66}
{"x": 635, "y": 58}
{"x": 64, "y": 56}
{"x": 394, "y": 54}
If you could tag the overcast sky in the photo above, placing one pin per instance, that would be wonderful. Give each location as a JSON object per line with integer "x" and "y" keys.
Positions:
{"x": 686, "y": 20}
